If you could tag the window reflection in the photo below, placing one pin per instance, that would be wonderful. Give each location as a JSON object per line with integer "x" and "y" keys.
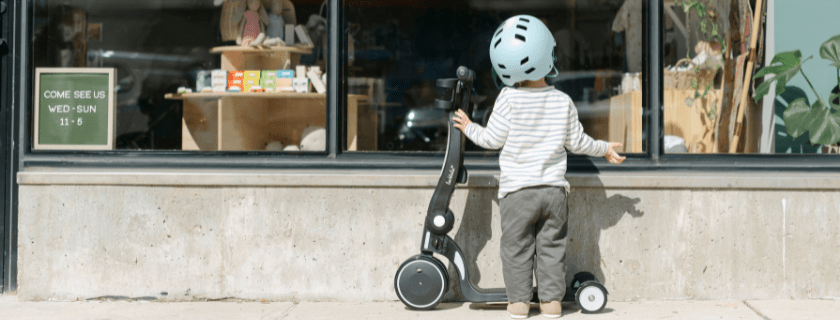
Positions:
{"x": 399, "y": 49}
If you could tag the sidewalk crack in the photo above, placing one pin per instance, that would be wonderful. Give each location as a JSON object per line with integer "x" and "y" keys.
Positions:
{"x": 756, "y": 311}
{"x": 285, "y": 314}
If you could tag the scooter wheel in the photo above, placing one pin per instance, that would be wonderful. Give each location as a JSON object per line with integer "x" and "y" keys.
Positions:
{"x": 582, "y": 277}
{"x": 591, "y": 297}
{"x": 420, "y": 282}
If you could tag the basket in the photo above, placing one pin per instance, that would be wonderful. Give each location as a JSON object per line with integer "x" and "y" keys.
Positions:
{"x": 682, "y": 80}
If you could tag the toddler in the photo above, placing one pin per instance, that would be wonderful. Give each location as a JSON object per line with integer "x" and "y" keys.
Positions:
{"x": 534, "y": 125}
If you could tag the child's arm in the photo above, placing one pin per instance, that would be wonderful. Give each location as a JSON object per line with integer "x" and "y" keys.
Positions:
{"x": 492, "y": 137}
{"x": 579, "y": 142}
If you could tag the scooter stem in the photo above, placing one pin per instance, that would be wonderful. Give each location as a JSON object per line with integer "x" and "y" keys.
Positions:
{"x": 439, "y": 219}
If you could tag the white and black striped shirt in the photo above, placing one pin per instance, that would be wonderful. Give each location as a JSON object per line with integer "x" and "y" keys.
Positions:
{"x": 534, "y": 127}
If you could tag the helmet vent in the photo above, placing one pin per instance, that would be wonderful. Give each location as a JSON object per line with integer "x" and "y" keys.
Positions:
{"x": 524, "y": 61}
{"x": 522, "y": 27}
{"x": 525, "y": 20}
{"x": 529, "y": 71}
{"x": 506, "y": 76}
{"x": 497, "y": 43}
{"x": 520, "y": 37}
{"x": 502, "y": 66}
{"x": 500, "y": 31}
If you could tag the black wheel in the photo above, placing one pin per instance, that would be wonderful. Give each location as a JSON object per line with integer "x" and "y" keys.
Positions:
{"x": 420, "y": 282}
{"x": 582, "y": 277}
{"x": 591, "y": 297}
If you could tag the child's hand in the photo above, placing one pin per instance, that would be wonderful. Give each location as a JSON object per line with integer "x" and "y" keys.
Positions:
{"x": 461, "y": 120}
{"x": 612, "y": 156}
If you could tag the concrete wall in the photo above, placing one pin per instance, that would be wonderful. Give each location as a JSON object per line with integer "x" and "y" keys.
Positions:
{"x": 299, "y": 236}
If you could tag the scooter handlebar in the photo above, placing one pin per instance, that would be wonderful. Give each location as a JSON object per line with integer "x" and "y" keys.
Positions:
{"x": 465, "y": 74}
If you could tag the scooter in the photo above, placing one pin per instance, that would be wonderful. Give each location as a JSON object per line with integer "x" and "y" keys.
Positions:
{"x": 422, "y": 280}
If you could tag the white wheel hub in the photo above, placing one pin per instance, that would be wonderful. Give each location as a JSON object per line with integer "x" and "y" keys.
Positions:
{"x": 592, "y": 298}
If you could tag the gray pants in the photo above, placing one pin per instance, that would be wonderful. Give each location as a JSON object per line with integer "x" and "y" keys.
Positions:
{"x": 534, "y": 222}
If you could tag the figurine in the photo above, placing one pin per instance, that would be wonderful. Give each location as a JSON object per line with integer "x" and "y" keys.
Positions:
{"x": 251, "y": 22}
{"x": 281, "y": 12}
{"x": 228, "y": 25}
{"x": 286, "y": 7}
{"x": 276, "y": 23}
{"x": 234, "y": 19}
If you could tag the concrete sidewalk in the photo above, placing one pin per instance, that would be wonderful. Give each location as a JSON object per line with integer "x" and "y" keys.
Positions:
{"x": 11, "y": 308}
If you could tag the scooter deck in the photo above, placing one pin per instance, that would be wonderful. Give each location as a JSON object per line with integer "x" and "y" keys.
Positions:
{"x": 568, "y": 297}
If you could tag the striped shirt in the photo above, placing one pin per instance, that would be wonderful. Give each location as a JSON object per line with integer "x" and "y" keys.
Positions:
{"x": 534, "y": 127}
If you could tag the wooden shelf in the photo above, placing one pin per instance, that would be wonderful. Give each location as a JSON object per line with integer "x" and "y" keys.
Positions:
{"x": 264, "y": 95}
{"x": 236, "y": 58}
{"x": 247, "y": 121}
{"x": 260, "y": 51}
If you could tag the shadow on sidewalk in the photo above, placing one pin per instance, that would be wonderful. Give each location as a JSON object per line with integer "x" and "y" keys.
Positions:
{"x": 590, "y": 212}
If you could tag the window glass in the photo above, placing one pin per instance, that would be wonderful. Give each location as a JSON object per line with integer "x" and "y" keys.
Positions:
{"x": 712, "y": 105}
{"x": 398, "y": 49}
{"x": 208, "y": 75}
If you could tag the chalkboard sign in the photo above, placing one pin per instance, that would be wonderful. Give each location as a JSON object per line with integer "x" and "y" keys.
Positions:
{"x": 74, "y": 108}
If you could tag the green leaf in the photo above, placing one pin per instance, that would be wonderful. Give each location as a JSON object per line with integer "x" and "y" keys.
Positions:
{"x": 819, "y": 120}
{"x": 797, "y": 118}
{"x": 703, "y": 25}
{"x": 830, "y": 50}
{"x": 785, "y": 65}
{"x": 826, "y": 127}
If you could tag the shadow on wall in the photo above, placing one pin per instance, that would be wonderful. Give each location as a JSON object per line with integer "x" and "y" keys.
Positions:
{"x": 590, "y": 212}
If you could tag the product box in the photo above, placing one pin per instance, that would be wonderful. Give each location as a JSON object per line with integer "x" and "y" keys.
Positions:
{"x": 219, "y": 79}
{"x": 270, "y": 85}
{"x": 248, "y": 83}
{"x": 219, "y": 75}
{"x": 268, "y": 74}
{"x": 284, "y": 78}
{"x": 253, "y": 75}
{"x": 202, "y": 80}
{"x": 252, "y": 78}
{"x": 236, "y": 79}
{"x": 268, "y": 80}
{"x": 301, "y": 85}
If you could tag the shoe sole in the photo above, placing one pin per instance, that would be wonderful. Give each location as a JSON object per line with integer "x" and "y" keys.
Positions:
{"x": 551, "y": 316}
{"x": 513, "y": 316}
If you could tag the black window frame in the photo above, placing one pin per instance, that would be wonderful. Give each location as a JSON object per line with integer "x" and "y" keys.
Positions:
{"x": 8, "y": 150}
{"x": 335, "y": 158}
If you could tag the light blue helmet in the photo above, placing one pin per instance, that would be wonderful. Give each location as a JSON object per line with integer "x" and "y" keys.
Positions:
{"x": 522, "y": 49}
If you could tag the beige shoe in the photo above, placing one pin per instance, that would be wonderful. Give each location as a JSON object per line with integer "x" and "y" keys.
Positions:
{"x": 519, "y": 310}
{"x": 551, "y": 310}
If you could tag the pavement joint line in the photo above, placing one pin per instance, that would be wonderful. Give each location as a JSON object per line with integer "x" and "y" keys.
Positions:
{"x": 756, "y": 311}
{"x": 286, "y": 314}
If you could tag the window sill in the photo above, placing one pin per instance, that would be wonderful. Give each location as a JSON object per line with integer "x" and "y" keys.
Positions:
{"x": 422, "y": 179}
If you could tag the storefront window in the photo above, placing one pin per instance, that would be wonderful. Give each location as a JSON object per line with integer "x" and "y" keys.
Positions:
{"x": 204, "y": 75}
{"x": 398, "y": 49}
{"x": 713, "y": 105}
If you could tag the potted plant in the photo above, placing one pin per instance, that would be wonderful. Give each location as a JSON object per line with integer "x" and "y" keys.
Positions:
{"x": 820, "y": 119}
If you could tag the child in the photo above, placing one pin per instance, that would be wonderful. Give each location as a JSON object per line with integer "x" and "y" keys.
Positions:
{"x": 534, "y": 124}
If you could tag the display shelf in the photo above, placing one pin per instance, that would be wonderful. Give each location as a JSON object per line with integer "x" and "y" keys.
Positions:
{"x": 263, "y": 51}
{"x": 264, "y": 95}
{"x": 236, "y": 121}
{"x": 249, "y": 58}
{"x": 248, "y": 121}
